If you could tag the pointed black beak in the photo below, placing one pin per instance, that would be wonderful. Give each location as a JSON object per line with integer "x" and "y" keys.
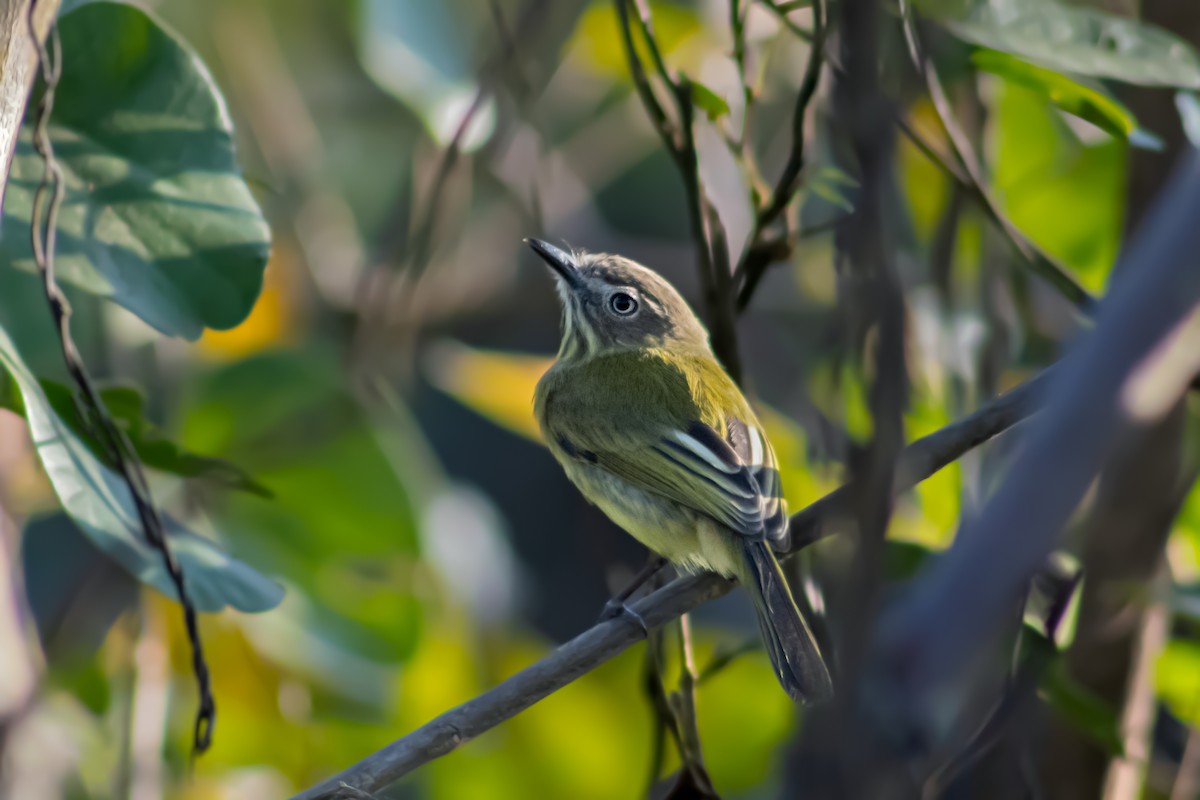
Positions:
{"x": 559, "y": 261}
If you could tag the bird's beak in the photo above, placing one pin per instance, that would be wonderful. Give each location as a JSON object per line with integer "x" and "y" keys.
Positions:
{"x": 559, "y": 261}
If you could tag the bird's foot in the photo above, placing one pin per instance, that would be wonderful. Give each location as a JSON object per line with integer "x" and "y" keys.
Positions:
{"x": 617, "y": 607}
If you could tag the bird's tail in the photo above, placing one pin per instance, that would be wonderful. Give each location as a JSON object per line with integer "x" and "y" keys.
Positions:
{"x": 789, "y": 641}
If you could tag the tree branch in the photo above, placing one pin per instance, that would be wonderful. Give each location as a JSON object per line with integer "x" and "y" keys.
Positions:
{"x": 762, "y": 252}
{"x": 1128, "y": 372}
{"x": 712, "y": 261}
{"x": 608, "y": 639}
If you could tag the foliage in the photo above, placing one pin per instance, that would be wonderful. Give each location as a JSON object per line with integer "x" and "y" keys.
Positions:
{"x": 364, "y": 511}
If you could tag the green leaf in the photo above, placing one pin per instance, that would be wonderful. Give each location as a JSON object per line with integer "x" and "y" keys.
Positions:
{"x": 157, "y": 216}
{"x": 709, "y": 101}
{"x": 1071, "y": 39}
{"x": 1041, "y": 168}
{"x": 1091, "y": 103}
{"x": 126, "y": 406}
{"x": 343, "y": 525}
{"x": 101, "y": 505}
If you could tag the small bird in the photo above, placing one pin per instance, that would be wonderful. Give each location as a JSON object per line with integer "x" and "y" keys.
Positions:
{"x": 648, "y": 425}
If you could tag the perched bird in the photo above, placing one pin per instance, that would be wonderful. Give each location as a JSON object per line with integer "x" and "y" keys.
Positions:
{"x": 651, "y": 429}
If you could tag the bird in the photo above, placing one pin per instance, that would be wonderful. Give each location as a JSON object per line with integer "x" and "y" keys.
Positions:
{"x": 651, "y": 429}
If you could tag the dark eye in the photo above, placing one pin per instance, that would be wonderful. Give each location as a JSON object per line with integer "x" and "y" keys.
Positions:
{"x": 623, "y": 304}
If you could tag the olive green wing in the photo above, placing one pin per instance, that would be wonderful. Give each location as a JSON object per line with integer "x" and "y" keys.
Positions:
{"x": 695, "y": 467}
{"x": 648, "y": 424}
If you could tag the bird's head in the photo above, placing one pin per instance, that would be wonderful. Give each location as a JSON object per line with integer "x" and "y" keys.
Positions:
{"x": 611, "y": 304}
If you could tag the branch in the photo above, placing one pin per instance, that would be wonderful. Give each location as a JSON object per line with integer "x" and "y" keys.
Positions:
{"x": 608, "y": 639}
{"x": 712, "y": 260}
{"x": 761, "y": 253}
{"x": 1127, "y": 372}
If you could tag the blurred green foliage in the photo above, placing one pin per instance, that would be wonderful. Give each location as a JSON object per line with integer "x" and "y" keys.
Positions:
{"x": 370, "y": 447}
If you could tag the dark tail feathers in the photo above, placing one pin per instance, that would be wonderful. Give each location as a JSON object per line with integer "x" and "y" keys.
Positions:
{"x": 789, "y": 641}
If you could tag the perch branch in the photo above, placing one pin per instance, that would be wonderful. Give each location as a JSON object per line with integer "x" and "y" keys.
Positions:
{"x": 608, "y": 639}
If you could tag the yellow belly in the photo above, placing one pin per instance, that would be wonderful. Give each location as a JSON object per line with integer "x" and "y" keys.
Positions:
{"x": 677, "y": 533}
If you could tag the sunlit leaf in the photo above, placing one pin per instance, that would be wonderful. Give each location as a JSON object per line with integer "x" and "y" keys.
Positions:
{"x": 1073, "y": 39}
{"x": 596, "y": 41}
{"x": 100, "y": 503}
{"x": 1067, "y": 196}
{"x": 1091, "y": 103}
{"x": 709, "y": 101}
{"x": 497, "y": 385}
{"x": 1177, "y": 676}
{"x": 157, "y": 216}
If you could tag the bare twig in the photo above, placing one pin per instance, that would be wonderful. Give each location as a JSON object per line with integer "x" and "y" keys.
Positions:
{"x": 679, "y": 140}
{"x": 93, "y": 411}
{"x": 760, "y": 254}
{"x": 782, "y": 13}
{"x": 606, "y": 640}
{"x": 684, "y": 706}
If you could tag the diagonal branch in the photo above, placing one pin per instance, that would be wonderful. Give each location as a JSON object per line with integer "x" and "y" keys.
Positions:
{"x": 608, "y": 639}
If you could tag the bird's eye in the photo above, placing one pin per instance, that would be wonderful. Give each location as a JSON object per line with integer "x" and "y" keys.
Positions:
{"x": 622, "y": 303}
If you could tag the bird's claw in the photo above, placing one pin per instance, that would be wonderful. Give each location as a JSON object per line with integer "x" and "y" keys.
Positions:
{"x": 617, "y": 608}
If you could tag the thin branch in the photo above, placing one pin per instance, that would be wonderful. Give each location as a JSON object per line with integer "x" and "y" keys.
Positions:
{"x": 47, "y": 201}
{"x": 789, "y": 179}
{"x": 608, "y": 639}
{"x": 782, "y": 13}
{"x": 641, "y": 83}
{"x": 761, "y": 254}
{"x": 712, "y": 260}
{"x": 684, "y": 706}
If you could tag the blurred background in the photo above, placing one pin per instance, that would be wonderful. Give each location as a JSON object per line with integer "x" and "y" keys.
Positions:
{"x": 376, "y": 403}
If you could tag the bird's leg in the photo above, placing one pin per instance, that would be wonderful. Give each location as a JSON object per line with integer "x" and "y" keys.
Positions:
{"x": 618, "y": 605}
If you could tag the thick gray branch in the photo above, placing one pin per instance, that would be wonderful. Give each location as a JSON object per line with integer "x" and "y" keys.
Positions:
{"x": 1127, "y": 372}
{"x": 606, "y": 640}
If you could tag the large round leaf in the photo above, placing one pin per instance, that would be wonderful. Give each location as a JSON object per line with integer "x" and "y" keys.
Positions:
{"x": 101, "y": 505}
{"x": 157, "y": 216}
{"x": 1075, "y": 40}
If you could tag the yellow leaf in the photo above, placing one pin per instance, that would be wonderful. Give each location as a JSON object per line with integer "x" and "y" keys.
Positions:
{"x": 496, "y": 385}
{"x": 596, "y": 44}
{"x": 272, "y": 322}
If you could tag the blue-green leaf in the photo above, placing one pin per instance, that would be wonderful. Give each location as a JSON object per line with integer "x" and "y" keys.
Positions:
{"x": 1071, "y": 39}
{"x": 157, "y": 216}
{"x": 101, "y": 505}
